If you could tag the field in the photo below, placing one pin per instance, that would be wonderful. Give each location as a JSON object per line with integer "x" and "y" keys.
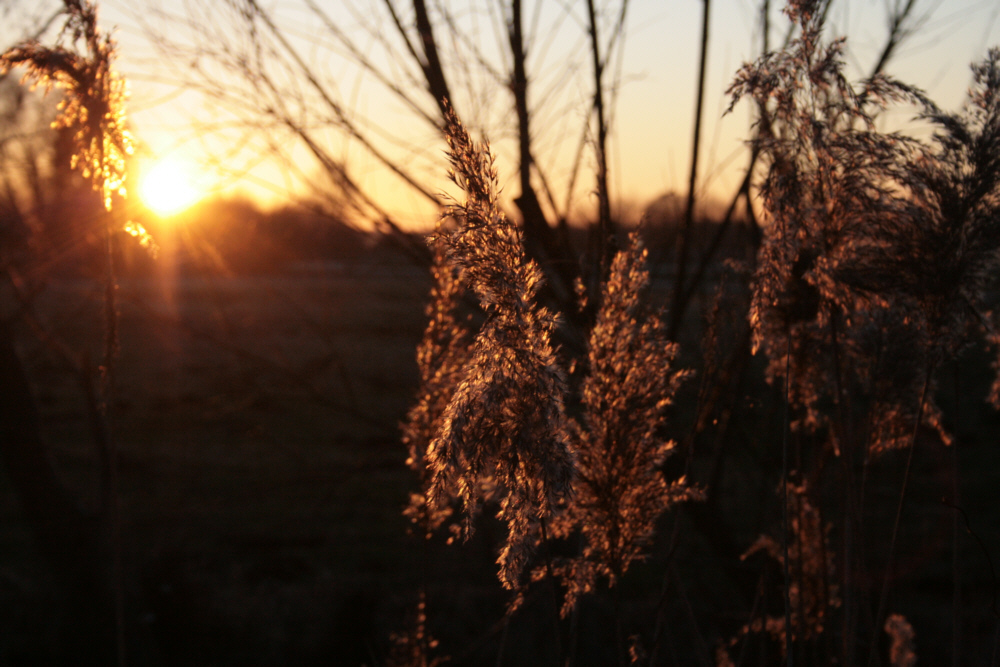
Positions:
{"x": 261, "y": 473}
{"x": 262, "y": 483}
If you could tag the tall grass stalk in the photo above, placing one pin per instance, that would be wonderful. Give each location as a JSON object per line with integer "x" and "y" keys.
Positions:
{"x": 93, "y": 109}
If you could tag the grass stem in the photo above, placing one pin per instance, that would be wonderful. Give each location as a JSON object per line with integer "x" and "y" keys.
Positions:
{"x": 883, "y": 597}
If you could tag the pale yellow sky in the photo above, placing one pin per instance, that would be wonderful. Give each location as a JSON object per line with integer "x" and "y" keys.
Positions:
{"x": 653, "y": 114}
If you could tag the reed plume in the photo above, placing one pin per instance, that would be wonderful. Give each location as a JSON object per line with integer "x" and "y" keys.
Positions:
{"x": 93, "y": 106}
{"x": 491, "y": 422}
{"x": 441, "y": 357}
{"x": 879, "y": 246}
{"x": 620, "y": 491}
{"x": 505, "y": 423}
{"x": 813, "y": 592}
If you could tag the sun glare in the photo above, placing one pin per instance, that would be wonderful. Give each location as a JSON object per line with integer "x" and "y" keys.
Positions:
{"x": 166, "y": 188}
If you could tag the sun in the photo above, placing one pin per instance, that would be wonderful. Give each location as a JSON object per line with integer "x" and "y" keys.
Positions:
{"x": 166, "y": 188}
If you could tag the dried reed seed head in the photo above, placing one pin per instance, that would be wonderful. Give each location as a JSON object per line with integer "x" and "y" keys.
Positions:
{"x": 620, "y": 491}
{"x": 868, "y": 228}
{"x": 95, "y": 95}
{"x": 413, "y": 647}
{"x": 505, "y": 420}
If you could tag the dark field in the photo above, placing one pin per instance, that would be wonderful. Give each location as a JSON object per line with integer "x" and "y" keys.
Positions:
{"x": 262, "y": 482}
{"x": 261, "y": 474}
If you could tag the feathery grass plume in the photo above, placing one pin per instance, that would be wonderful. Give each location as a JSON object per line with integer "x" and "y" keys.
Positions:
{"x": 94, "y": 102}
{"x": 812, "y": 591}
{"x": 941, "y": 260}
{"x": 902, "y": 651}
{"x": 956, "y": 190}
{"x": 809, "y": 197}
{"x": 837, "y": 276}
{"x": 413, "y": 648}
{"x": 505, "y": 422}
{"x": 93, "y": 105}
{"x": 441, "y": 358}
{"x": 935, "y": 262}
{"x": 620, "y": 491}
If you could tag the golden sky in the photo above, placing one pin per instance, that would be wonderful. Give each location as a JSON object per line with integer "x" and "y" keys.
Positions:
{"x": 654, "y": 74}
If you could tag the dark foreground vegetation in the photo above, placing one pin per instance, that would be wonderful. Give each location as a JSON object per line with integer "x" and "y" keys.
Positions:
{"x": 263, "y": 483}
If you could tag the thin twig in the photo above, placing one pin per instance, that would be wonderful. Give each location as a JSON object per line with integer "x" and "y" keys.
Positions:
{"x": 685, "y": 238}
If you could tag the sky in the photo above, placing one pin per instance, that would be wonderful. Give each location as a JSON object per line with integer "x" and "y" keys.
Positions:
{"x": 653, "y": 73}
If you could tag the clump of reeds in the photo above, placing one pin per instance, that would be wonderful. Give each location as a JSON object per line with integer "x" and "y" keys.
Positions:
{"x": 830, "y": 186}
{"x": 879, "y": 253}
{"x": 879, "y": 247}
{"x": 496, "y": 421}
